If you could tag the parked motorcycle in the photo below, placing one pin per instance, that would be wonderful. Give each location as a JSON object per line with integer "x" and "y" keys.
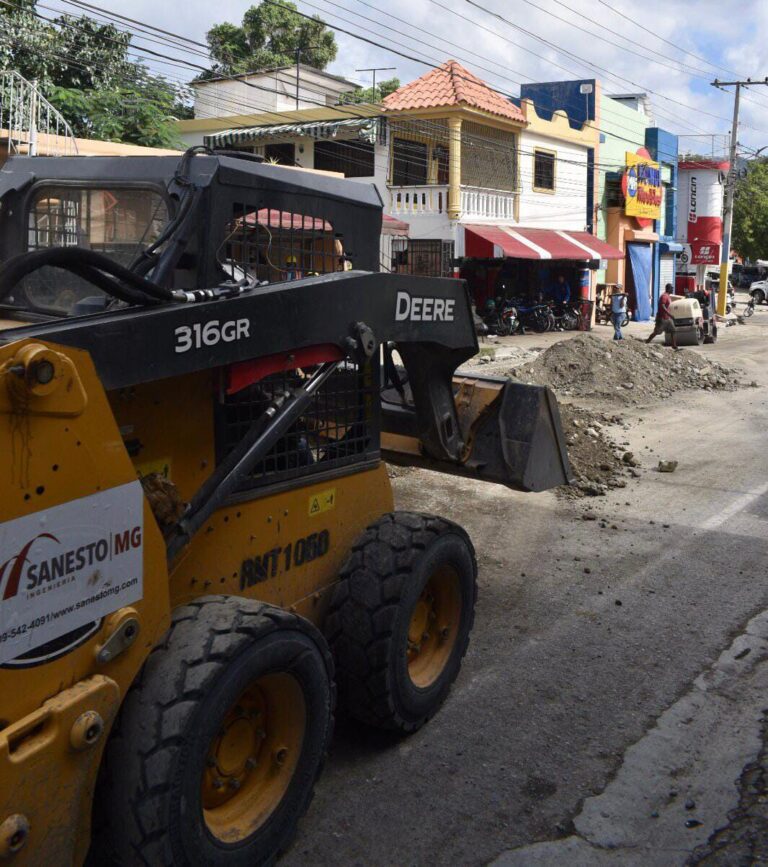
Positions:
{"x": 502, "y": 319}
{"x": 566, "y": 317}
{"x": 536, "y": 317}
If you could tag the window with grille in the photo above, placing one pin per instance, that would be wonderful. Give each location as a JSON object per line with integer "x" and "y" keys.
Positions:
{"x": 279, "y": 245}
{"x": 339, "y": 428}
{"x": 119, "y": 222}
{"x": 614, "y": 198}
{"x": 426, "y": 258}
{"x": 409, "y": 162}
{"x": 544, "y": 170}
{"x": 354, "y": 159}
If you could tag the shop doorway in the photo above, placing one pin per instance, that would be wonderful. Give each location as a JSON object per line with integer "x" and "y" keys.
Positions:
{"x": 638, "y": 279}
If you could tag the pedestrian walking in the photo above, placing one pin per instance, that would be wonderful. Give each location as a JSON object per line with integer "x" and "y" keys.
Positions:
{"x": 618, "y": 310}
{"x": 665, "y": 324}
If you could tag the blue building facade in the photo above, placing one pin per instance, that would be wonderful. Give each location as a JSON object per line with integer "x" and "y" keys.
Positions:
{"x": 662, "y": 146}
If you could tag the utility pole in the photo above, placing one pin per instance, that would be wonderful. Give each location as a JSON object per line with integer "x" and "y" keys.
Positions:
{"x": 299, "y": 49}
{"x": 730, "y": 187}
{"x": 374, "y": 70}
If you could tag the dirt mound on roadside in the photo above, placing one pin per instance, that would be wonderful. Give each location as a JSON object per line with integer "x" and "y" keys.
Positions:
{"x": 597, "y": 460}
{"x": 625, "y": 372}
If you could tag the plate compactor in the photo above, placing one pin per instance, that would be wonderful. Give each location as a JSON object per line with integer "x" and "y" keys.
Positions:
{"x": 200, "y": 372}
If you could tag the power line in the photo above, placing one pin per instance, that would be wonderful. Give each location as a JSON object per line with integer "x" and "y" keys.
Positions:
{"x": 581, "y": 59}
{"x": 179, "y": 62}
{"x": 402, "y": 35}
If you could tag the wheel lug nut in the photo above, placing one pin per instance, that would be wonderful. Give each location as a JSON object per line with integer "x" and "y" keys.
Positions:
{"x": 251, "y": 763}
{"x": 234, "y": 785}
{"x": 444, "y": 633}
{"x": 281, "y": 755}
{"x": 425, "y": 636}
{"x": 217, "y": 783}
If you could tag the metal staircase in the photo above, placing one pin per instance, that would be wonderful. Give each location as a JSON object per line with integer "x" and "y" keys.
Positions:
{"x": 29, "y": 124}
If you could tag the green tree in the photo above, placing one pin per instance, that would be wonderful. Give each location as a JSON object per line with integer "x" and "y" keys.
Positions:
{"x": 82, "y": 67}
{"x": 269, "y": 36}
{"x": 366, "y": 94}
{"x": 750, "y": 212}
{"x": 140, "y": 111}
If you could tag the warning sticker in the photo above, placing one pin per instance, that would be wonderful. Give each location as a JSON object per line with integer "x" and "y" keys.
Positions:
{"x": 322, "y": 502}
{"x": 66, "y": 567}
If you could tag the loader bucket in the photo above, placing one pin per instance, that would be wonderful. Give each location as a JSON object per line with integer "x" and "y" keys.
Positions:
{"x": 518, "y": 440}
{"x": 512, "y": 434}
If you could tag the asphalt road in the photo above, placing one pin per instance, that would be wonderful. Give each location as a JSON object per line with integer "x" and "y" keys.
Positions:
{"x": 584, "y": 637}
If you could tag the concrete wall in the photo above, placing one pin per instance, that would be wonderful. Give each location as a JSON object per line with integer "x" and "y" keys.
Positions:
{"x": 269, "y": 91}
{"x": 566, "y": 207}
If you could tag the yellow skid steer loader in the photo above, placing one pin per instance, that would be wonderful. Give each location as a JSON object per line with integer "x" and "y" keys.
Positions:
{"x": 197, "y": 538}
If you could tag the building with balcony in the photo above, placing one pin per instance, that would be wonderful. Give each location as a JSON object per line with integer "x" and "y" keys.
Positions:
{"x": 474, "y": 176}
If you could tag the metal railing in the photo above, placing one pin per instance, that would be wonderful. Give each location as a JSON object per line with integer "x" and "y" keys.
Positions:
{"x": 29, "y": 124}
{"x": 433, "y": 199}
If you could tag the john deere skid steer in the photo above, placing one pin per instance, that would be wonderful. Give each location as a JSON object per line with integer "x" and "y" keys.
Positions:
{"x": 197, "y": 538}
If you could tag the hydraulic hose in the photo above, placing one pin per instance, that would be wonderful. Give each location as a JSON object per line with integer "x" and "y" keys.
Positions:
{"x": 116, "y": 280}
{"x": 147, "y": 259}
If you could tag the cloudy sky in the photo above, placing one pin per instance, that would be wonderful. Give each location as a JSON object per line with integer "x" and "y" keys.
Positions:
{"x": 671, "y": 49}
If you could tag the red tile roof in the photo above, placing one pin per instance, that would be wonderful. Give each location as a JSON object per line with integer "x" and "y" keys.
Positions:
{"x": 451, "y": 84}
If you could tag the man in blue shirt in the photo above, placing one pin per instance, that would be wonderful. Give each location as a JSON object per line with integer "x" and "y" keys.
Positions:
{"x": 618, "y": 310}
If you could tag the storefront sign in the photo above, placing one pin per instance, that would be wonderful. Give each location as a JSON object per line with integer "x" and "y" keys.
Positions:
{"x": 699, "y": 253}
{"x": 641, "y": 186}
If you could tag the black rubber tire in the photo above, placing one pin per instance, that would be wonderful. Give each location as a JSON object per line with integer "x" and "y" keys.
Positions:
{"x": 759, "y": 296}
{"x": 148, "y": 801}
{"x": 367, "y": 623}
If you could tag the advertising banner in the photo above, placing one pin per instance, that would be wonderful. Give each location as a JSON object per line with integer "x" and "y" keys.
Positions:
{"x": 642, "y": 186}
{"x": 699, "y": 253}
{"x": 64, "y": 568}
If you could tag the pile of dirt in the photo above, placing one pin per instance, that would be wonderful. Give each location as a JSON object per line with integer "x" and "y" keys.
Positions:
{"x": 599, "y": 461}
{"x": 625, "y": 372}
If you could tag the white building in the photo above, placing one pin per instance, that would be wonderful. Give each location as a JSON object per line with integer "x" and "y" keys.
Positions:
{"x": 285, "y": 88}
{"x": 554, "y": 171}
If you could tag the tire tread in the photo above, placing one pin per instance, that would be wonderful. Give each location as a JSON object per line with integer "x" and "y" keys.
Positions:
{"x": 361, "y": 621}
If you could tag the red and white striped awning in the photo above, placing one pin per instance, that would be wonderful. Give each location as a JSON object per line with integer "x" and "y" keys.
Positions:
{"x": 497, "y": 242}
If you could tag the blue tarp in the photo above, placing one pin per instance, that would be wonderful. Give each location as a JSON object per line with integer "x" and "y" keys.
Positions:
{"x": 640, "y": 259}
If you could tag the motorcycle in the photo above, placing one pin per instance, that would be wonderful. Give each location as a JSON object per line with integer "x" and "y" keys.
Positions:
{"x": 537, "y": 317}
{"x": 566, "y": 317}
{"x": 502, "y": 320}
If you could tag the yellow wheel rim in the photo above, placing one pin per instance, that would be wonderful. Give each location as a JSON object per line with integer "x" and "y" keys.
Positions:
{"x": 251, "y": 761}
{"x": 433, "y": 627}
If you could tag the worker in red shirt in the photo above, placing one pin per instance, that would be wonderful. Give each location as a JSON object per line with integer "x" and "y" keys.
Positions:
{"x": 665, "y": 324}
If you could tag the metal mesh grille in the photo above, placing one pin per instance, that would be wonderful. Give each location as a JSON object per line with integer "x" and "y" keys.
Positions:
{"x": 339, "y": 428}
{"x": 279, "y": 245}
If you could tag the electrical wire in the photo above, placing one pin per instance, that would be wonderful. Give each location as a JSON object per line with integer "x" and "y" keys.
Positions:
{"x": 183, "y": 63}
